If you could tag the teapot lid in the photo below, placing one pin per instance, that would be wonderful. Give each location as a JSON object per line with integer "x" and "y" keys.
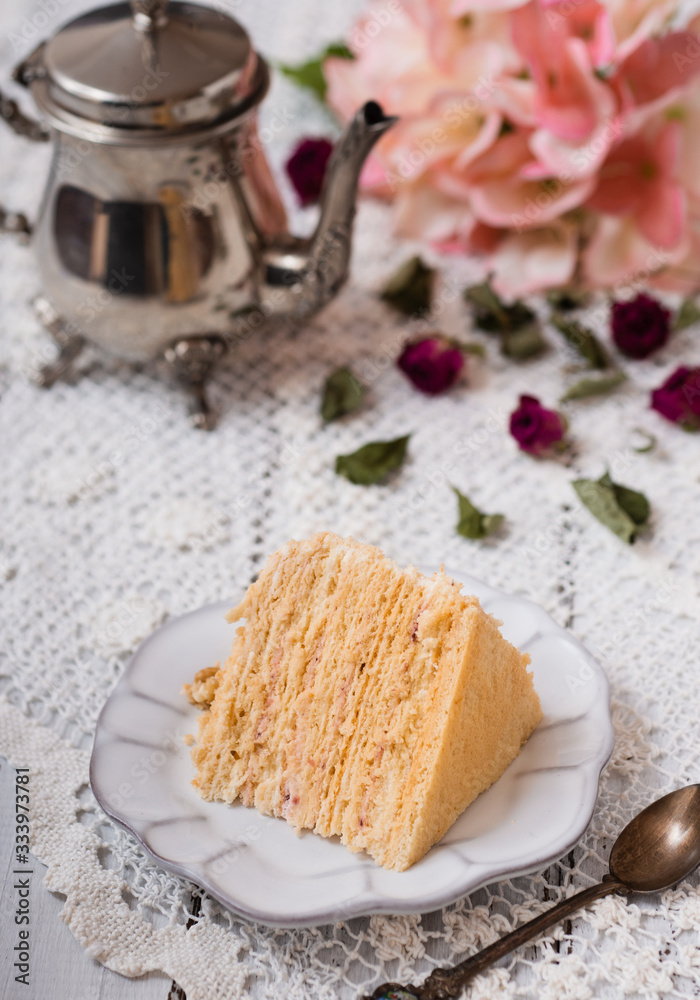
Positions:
{"x": 146, "y": 69}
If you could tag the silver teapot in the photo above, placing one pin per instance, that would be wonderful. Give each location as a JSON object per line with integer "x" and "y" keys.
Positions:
{"x": 161, "y": 232}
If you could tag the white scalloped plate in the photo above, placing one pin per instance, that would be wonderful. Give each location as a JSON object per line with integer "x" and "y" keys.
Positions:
{"x": 141, "y": 771}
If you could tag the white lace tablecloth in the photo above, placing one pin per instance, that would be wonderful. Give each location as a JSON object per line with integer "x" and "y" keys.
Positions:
{"x": 114, "y": 515}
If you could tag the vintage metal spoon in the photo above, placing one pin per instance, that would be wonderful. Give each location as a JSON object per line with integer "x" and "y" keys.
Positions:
{"x": 655, "y": 850}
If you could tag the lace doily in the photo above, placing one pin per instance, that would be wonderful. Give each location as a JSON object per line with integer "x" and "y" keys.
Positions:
{"x": 115, "y": 515}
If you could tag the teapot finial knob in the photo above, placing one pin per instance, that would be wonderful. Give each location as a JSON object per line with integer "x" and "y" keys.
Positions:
{"x": 148, "y": 14}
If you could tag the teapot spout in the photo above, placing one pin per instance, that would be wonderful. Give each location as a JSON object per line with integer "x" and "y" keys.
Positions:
{"x": 301, "y": 275}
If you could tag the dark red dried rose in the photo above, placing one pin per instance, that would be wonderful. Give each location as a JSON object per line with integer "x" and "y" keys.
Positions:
{"x": 534, "y": 427}
{"x": 640, "y": 326}
{"x": 432, "y": 364}
{"x": 306, "y": 168}
{"x": 678, "y": 399}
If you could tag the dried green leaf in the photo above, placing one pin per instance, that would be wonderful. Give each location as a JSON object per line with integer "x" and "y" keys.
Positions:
{"x": 491, "y": 523}
{"x": 583, "y": 340}
{"x": 373, "y": 461}
{"x": 469, "y": 347}
{"x": 566, "y": 299}
{"x": 494, "y": 316}
{"x": 410, "y": 288}
{"x": 310, "y": 74}
{"x": 649, "y": 438}
{"x": 634, "y": 504}
{"x": 619, "y": 508}
{"x": 525, "y": 343}
{"x": 342, "y": 394}
{"x": 687, "y": 315}
{"x": 472, "y": 523}
{"x": 594, "y": 386}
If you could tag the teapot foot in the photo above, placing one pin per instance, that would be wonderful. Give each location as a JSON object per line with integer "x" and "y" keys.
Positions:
{"x": 192, "y": 359}
{"x": 69, "y": 344}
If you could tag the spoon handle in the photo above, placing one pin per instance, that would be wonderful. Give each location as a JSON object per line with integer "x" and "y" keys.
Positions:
{"x": 443, "y": 984}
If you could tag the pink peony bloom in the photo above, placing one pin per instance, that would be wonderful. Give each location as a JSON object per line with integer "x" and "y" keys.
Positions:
{"x": 432, "y": 364}
{"x": 547, "y": 136}
{"x": 535, "y": 428}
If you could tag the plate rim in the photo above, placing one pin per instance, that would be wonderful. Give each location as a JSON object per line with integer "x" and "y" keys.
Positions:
{"x": 379, "y": 904}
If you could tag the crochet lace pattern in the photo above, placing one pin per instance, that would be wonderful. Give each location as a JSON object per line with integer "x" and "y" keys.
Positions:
{"x": 116, "y": 515}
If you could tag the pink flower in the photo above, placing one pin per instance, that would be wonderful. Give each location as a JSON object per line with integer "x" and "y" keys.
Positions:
{"x": 619, "y": 254}
{"x": 432, "y": 364}
{"x": 562, "y": 46}
{"x": 640, "y": 327}
{"x": 540, "y": 134}
{"x": 658, "y": 67}
{"x": 534, "y": 427}
{"x": 638, "y": 179}
{"x": 506, "y": 190}
{"x": 678, "y": 399}
{"x": 306, "y": 168}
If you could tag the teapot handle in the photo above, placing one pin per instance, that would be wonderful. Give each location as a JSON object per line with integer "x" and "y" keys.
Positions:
{"x": 14, "y": 222}
{"x": 21, "y": 123}
{"x": 17, "y": 222}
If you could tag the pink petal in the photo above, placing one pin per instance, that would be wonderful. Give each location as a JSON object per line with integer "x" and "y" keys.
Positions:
{"x": 633, "y": 23}
{"x": 424, "y": 213}
{"x": 561, "y": 158}
{"x": 346, "y": 88}
{"x": 460, "y": 7}
{"x": 661, "y": 216}
{"x": 683, "y": 271}
{"x": 618, "y": 254}
{"x": 511, "y": 204}
{"x": 660, "y": 65}
{"x": 374, "y": 178}
{"x": 571, "y": 105}
{"x": 515, "y": 99}
{"x": 667, "y": 148}
{"x": 532, "y": 261}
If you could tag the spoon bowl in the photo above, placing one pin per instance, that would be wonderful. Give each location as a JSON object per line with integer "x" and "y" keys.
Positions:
{"x": 661, "y": 845}
{"x": 658, "y": 848}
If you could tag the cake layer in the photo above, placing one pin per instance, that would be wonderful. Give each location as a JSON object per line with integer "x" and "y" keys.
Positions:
{"x": 361, "y": 700}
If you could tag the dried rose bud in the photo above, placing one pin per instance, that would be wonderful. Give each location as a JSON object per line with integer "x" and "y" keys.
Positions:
{"x": 678, "y": 399}
{"x": 432, "y": 364}
{"x": 641, "y": 326}
{"x": 535, "y": 428}
{"x": 306, "y": 168}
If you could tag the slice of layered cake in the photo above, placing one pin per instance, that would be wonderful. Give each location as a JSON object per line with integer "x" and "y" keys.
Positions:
{"x": 361, "y": 700}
